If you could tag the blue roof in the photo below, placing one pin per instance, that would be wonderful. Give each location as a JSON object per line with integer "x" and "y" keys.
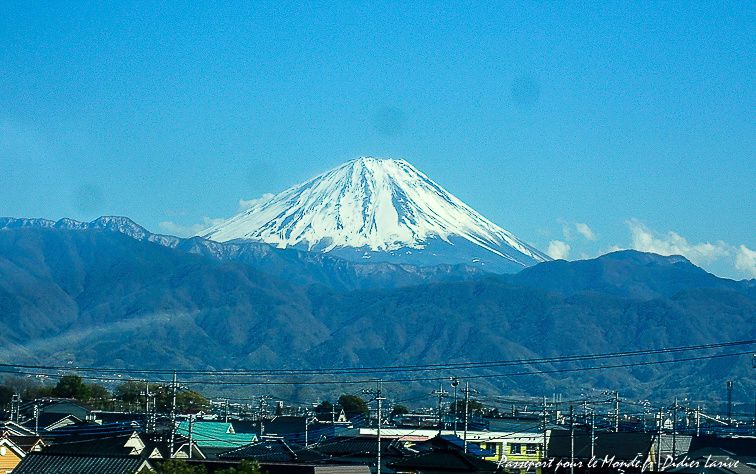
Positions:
{"x": 472, "y": 448}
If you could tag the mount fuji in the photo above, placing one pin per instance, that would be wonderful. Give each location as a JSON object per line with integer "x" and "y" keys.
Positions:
{"x": 380, "y": 210}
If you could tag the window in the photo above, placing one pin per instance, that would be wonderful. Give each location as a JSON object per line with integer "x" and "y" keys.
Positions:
{"x": 531, "y": 449}
{"x": 493, "y": 447}
{"x": 515, "y": 448}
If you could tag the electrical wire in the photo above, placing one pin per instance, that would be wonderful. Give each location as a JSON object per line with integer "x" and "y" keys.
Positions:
{"x": 388, "y": 368}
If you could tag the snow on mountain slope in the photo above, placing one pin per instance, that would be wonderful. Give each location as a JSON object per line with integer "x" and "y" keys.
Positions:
{"x": 378, "y": 207}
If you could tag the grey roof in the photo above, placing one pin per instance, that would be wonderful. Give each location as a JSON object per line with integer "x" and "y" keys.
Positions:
{"x": 514, "y": 425}
{"x": 737, "y": 445}
{"x": 346, "y": 446}
{"x": 50, "y": 420}
{"x": 622, "y": 445}
{"x": 448, "y": 460}
{"x": 275, "y": 450}
{"x": 716, "y": 461}
{"x": 9, "y": 427}
{"x": 681, "y": 443}
{"x": 95, "y": 446}
{"x": 36, "y": 463}
{"x": 451, "y": 442}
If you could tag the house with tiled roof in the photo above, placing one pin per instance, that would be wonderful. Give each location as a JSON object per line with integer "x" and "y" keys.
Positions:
{"x": 125, "y": 454}
{"x": 65, "y": 406}
{"x": 274, "y": 450}
{"x": 51, "y": 422}
{"x": 360, "y": 450}
{"x": 621, "y": 447}
{"x": 121, "y": 445}
{"x": 28, "y": 443}
{"x": 10, "y": 455}
{"x": 37, "y": 463}
{"x": 10, "y": 428}
{"x": 443, "y": 461}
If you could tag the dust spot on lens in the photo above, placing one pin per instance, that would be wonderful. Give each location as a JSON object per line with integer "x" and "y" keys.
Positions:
{"x": 389, "y": 121}
{"x": 525, "y": 91}
{"x": 88, "y": 198}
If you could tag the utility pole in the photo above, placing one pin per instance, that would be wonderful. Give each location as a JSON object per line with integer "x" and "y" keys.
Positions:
{"x": 174, "y": 387}
{"x": 149, "y": 408}
{"x": 378, "y": 398}
{"x": 585, "y": 412}
{"x": 441, "y": 394}
{"x": 467, "y": 410}
{"x": 191, "y": 434}
{"x": 36, "y": 419}
{"x": 729, "y": 402}
{"x": 658, "y": 440}
{"x": 263, "y": 403}
{"x": 616, "y": 412}
{"x": 15, "y": 407}
{"x": 455, "y": 383}
{"x": 698, "y": 420}
{"x": 593, "y": 435}
{"x": 572, "y": 439}
{"x": 225, "y": 412}
{"x": 307, "y": 431}
{"x": 674, "y": 430}
{"x": 544, "y": 428}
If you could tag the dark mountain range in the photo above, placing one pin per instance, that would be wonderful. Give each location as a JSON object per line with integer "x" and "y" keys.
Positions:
{"x": 108, "y": 294}
{"x": 295, "y": 266}
{"x": 628, "y": 274}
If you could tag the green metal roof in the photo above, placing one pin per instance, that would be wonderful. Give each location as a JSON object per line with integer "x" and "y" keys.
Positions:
{"x": 215, "y": 434}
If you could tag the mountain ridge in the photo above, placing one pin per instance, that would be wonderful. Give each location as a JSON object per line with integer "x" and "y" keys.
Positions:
{"x": 297, "y": 266}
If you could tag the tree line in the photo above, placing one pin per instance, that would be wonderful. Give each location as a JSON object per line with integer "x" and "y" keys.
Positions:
{"x": 127, "y": 395}
{"x": 130, "y": 396}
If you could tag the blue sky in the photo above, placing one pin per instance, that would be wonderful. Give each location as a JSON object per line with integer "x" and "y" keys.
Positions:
{"x": 580, "y": 127}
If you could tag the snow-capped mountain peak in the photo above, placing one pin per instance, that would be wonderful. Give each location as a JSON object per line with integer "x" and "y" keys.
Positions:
{"x": 375, "y": 206}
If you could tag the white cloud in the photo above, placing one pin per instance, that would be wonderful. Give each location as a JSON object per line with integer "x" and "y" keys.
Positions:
{"x": 584, "y": 230}
{"x": 731, "y": 261}
{"x": 569, "y": 228}
{"x": 190, "y": 230}
{"x": 558, "y": 250}
{"x": 672, "y": 243}
{"x": 247, "y": 203}
{"x": 745, "y": 261}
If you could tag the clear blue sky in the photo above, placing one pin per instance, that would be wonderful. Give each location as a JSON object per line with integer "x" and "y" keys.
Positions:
{"x": 634, "y": 118}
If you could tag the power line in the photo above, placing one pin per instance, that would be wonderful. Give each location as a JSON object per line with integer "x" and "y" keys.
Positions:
{"x": 388, "y": 368}
{"x": 400, "y": 380}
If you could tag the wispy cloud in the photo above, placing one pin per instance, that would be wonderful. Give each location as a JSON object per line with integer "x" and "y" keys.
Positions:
{"x": 584, "y": 230}
{"x": 741, "y": 260}
{"x": 558, "y": 250}
{"x": 180, "y": 230}
{"x": 188, "y": 230}
{"x": 247, "y": 203}
{"x": 672, "y": 243}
